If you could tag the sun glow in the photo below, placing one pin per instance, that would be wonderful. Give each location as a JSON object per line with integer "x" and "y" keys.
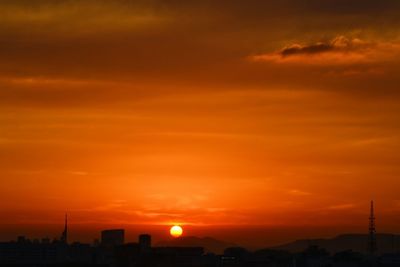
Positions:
{"x": 176, "y": 231}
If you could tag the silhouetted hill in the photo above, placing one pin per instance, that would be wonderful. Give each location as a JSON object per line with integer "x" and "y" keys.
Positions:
{"x": 208, "y": 243}
{"x": 357, "y": 242}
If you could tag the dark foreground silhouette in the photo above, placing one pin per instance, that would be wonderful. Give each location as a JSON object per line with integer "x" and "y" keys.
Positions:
{"x": 113, "y": 252}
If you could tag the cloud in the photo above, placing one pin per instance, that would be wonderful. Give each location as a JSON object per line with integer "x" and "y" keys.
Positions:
{"x": 297, "y": 192}
{"x": 340, "y": 50}
{"x": 346, "y": 206}
{"x": 338, "y": 44}
{"x": 74, "y": 17}
{"x": 121, "y": 212}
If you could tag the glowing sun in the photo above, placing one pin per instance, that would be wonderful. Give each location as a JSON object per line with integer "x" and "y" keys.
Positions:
{"x": 176, "y": 231}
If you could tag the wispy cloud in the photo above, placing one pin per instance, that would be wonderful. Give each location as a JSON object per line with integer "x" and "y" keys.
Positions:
{"x": 297, "y": 192}
{"x": 81, "y": 17}
{"x": 116, "y": 205}
{"x": 345, "y": 206}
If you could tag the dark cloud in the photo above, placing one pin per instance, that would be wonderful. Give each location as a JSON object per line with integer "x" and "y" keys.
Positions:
{"x": 308, "y": 49}
{"x": 340, "y": 43}
{"x": 338, "y": 51}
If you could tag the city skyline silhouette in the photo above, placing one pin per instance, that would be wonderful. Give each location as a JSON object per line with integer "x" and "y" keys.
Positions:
{"x": 112, "y": 249}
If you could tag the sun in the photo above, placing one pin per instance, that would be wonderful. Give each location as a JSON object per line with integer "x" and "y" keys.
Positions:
{"x": 176, "y": 231}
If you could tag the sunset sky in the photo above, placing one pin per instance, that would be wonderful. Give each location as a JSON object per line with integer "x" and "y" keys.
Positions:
{"x": 204, "y": 113}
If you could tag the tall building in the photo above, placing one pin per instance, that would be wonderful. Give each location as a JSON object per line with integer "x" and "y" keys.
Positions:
{"x": 145, "y": 243}
{"x": 113, "y": 237}
{"x": 64, "y": 235}
{"x": 372, "y": 247}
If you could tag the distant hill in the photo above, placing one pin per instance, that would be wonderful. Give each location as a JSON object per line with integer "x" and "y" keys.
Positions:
{"x": 387, "y": 243}
{"x": 208, "y": 243}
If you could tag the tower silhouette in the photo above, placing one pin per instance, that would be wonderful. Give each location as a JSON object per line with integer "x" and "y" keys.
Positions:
{"x": 64, "y": 235}
{"x": 372, "y": 247}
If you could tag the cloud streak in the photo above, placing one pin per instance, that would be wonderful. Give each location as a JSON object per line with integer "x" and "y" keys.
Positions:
{"x": 340, "y": 50}
{"x": 338, "y": 44}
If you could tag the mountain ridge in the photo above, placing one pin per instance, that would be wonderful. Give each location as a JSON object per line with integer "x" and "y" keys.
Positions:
{"x": 387, "y": 243}
{"x": 209, "y": 244}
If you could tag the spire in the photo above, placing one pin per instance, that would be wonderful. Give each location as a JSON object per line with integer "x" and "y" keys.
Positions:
{"x": 64, "y": 235}
{"x": 372, "y": 232}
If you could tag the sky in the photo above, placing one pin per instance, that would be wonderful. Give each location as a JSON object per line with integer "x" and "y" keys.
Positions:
{"x": 209, "y": 114}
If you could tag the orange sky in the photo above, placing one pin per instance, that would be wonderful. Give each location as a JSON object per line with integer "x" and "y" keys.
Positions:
{"x": 205, "y": 113}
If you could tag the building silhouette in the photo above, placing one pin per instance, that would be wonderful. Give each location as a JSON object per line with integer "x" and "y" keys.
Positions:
{"x": 113, "y": 237}
{"x": 145, "y": 243}
{"x": 372, "y": 246}
{"x": 64, "y": 235}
